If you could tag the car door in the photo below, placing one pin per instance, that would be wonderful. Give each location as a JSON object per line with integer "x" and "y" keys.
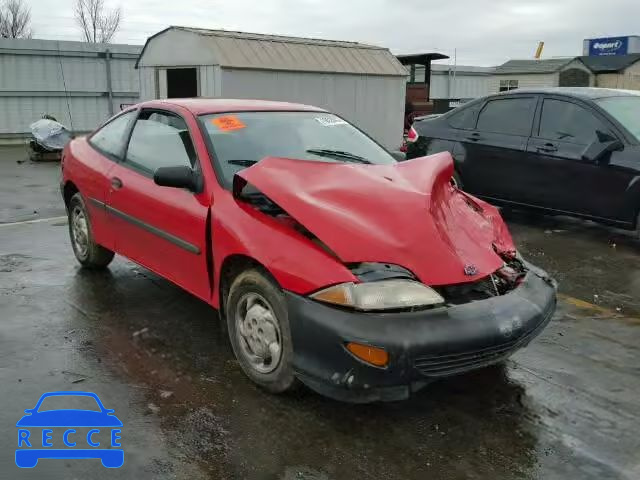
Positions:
{"x": 494, "y": 150}
{"x": 99, "y": 155}
{"x": 161, "y": 228}
{"x": 559, "y": 177}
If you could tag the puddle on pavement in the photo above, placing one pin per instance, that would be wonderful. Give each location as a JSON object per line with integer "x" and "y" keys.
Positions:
{"x": 156, "y": 337}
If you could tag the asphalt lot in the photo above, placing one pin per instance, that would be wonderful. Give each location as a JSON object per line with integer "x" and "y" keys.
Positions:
{"x": 568, "y": 406}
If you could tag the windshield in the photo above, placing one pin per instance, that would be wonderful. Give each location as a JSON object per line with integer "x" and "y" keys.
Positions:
{"x": 625, "y": 110}
{"x": 242, "y": 139}
{"x": 67, "y": 402}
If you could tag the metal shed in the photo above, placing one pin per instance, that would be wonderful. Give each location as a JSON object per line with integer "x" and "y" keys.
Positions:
{"x": 81, "y": 84}
{"x": 363, "y": 83}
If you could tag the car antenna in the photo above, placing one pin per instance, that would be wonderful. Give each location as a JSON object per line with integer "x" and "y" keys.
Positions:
{"x": 66, "y": 92}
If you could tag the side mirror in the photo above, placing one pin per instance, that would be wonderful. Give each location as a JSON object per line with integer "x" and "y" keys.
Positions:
{"x": 599, "y": 150}
{"x": 178, "y": 177}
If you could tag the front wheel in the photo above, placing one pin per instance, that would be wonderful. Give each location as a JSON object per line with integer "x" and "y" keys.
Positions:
{"x": 86, "y": 250}
{"x": 455, "y": 180}
{"x": 259, "y": 331}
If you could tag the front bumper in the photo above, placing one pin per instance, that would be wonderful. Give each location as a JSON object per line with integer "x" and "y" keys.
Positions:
{"x": 423, "y": 346}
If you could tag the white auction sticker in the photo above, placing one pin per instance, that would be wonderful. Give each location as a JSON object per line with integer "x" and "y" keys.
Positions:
{"x": 331, "y": 121}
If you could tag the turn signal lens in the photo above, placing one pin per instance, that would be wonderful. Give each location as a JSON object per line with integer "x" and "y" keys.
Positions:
{"x": 373, "y": 355}
{"x": 338, "y": 295}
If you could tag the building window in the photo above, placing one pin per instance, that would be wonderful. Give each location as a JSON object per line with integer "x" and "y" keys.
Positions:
{"x": 506, "y": 85}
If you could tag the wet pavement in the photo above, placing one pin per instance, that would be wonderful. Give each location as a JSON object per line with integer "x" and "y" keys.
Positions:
{"x": 568, "y": 406}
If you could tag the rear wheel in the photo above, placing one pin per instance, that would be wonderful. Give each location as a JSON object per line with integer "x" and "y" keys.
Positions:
{"x": 258, "y": 328}
{"x": 86, "y": 250}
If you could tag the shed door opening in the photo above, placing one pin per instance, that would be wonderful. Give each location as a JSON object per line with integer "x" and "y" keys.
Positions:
{"x": 182, "y": 82}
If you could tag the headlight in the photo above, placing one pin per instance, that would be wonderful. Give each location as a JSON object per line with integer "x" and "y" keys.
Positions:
{"x": 382, "y": 295}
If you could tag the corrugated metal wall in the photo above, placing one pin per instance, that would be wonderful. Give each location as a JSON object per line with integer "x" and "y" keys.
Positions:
{"x": 147, "y": 77}
{"x": 210, "y": 81}
{"x": 373, "y": 103}
{"x": 467, "y": 82}
{"x": 459, "y": 86}
{"x": 45, "y": 76}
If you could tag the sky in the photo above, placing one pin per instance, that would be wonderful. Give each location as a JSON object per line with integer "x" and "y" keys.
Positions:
{"x": 478, "y": 32}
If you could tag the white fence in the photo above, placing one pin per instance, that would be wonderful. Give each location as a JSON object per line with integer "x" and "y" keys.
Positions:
{"x": 80, "y": 84}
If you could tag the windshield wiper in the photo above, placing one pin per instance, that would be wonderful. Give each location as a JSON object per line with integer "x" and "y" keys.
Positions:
{"x": 242, "y": 162}
{"x": 323, "y": 152}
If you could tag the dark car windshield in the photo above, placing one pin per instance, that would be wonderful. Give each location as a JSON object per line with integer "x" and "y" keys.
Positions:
{"x": 242, "y": 139}
{"x": 66, "y": 402}
{"x": 625, "y": 110}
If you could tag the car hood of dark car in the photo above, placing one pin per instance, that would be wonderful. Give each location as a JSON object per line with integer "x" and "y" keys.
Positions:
{"x": 69, "y": 418}
{"x": 407, "y": 214}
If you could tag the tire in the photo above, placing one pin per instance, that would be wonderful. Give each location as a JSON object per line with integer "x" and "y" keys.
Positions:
{"x": 636, "y": 233}
{"x": 87, "y": 251}
{"x": 258, "y": 327}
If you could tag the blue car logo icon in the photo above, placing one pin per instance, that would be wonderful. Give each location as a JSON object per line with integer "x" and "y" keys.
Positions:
{"x": 35, "y": 432}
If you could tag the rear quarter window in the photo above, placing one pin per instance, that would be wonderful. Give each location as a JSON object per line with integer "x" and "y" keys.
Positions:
{"x": 111, "y": 138}
{"x": 464, "y": 118}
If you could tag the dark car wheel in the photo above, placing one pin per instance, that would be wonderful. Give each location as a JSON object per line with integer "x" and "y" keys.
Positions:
{"x": 637, "y": 231}
{"x": 86, "y": 250}
{"x": 259, "y": 330}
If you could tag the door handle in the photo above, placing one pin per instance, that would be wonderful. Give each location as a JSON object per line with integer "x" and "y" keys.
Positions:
{"x": 547, "y": 148}
{"x": 116, "y": 183}
{"x": 474, "y": 137}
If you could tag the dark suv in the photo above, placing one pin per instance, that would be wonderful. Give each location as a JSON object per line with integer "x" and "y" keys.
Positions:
{"x": 566, "y": 150}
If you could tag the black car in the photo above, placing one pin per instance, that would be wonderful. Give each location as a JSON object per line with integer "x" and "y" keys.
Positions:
{"x": 567, "y": 150}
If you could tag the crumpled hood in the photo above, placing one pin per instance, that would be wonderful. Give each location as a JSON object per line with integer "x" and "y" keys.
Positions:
{"x": 406, "y": 214}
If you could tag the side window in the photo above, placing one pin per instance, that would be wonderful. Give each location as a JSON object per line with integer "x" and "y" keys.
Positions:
{"x": 568, "y": 122}
{"x": 465, "y": 117}
{"x": 111, "y": 138}
{"x": 512, "y": 116}
{"x": 160, "y": 139}
{"x": 506, "y": 85}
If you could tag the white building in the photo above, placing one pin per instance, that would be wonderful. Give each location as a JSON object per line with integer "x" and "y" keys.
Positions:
{"x": 553, "y": 72}
{"x": 365, "y": 84}
{"x": 459, "y": 81}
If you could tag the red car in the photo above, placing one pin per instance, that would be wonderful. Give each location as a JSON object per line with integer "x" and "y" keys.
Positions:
{"x": 332, "y": 264}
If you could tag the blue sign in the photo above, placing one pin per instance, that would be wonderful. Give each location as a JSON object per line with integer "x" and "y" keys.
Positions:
{"x": 36, "y": 437}
{"x": 608, "y": 46}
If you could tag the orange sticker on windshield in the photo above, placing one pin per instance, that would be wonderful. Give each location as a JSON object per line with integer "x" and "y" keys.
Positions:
{"x": 228, "y": 122}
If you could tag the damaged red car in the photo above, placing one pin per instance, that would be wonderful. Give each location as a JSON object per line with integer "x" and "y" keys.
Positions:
{"x": 330, "y": 263}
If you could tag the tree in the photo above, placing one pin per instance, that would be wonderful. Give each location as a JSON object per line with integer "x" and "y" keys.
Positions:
{"x": 15, "y": 20}
{"x": 98, "y": 25}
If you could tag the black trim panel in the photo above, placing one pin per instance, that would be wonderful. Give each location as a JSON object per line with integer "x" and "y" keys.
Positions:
{"x": 602, "y": 220}
{"x": 189, "y": 247}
